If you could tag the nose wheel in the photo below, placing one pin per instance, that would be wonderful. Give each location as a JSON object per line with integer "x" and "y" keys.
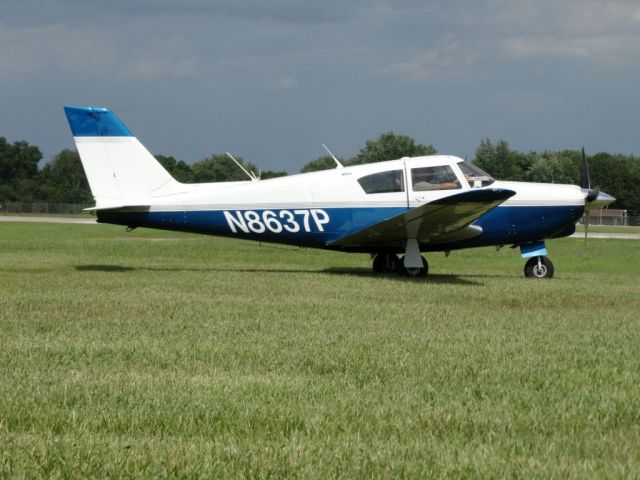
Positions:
{"x": 538, "y": 267}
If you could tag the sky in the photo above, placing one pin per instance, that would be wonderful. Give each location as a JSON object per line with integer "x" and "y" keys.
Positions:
{"x": 271, "y": 80}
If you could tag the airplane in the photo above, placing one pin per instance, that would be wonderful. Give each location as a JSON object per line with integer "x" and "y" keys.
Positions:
{"x": 394, "y": 210}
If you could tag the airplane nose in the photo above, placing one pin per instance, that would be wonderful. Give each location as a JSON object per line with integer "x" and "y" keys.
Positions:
{"x": 595, "y": 199}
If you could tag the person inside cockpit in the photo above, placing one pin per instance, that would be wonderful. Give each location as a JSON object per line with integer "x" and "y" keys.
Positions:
{"x": 434, "y": 178}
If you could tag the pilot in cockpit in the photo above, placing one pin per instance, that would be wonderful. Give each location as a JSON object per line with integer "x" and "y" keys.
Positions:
{"x": 425, "y": 179}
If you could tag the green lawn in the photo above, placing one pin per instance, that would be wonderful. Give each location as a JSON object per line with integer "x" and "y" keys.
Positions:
{"x": 165, "y": 355}
{"x": 609, "y": 229}
{"x": 23, "y": 214}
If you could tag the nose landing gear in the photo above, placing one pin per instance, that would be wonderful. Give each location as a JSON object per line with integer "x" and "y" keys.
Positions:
{"x": 538, "y": 267}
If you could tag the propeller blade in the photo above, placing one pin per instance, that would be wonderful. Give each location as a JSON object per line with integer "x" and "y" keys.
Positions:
{"x": 592, "y": 194}
{"x": 585, "y": 180}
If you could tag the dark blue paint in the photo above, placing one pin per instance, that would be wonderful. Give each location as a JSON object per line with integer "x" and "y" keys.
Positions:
{"x": 502, "y": 225}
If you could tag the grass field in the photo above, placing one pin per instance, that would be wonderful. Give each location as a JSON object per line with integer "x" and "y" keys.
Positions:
{"x": 609, "y": 229}
{"x": 164, "y": 355}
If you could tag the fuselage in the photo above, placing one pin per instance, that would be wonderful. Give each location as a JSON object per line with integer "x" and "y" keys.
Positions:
{"x": 318, "y": 208}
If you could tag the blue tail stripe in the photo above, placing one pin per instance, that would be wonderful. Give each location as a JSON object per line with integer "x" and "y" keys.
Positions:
{"x": 95, "y": 122}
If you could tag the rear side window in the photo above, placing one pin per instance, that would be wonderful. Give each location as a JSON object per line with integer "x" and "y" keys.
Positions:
{"x": 383, "y": 182}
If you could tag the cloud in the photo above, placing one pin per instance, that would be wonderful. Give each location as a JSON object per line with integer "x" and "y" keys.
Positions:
{"x": 490, "y": 34}
{"x": 27, "y": 50}
{"x": 286, "y": 83}
{"x": 608, "y": 50}
{"x": 447, "y": 60}
{"x": 163, "y": 66}
{"x": 92, "y": 51}
{"x": 288, "y": 11}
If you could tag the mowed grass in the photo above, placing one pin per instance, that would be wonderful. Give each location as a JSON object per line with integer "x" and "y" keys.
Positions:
{"x": 609, "y": 229}
{"x": 167, "y": 355}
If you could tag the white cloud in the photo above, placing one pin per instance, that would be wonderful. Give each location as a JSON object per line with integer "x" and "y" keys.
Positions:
{"x": 605, "y": 49}
{"x": 446, "y": 60}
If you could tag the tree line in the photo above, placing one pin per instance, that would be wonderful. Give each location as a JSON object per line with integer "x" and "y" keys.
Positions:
{"x": 62, "y": 180}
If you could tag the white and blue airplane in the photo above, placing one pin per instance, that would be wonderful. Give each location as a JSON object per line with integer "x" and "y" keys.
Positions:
{"x": 398, "y": 207}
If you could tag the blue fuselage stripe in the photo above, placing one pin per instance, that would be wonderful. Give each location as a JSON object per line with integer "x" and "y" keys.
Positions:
{"x": 320, "y": 227}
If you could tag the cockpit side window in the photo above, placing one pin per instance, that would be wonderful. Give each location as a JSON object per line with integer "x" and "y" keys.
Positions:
{"x": 475, "y": 176}
{"x": 441, "y": 177}
{"x": 383, "y": 182}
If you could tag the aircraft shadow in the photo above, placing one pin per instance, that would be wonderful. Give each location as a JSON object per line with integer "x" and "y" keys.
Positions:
{"x": 361, "y": 272}
{"x": 103, "y": 268}
{"x": 431, "y": 278}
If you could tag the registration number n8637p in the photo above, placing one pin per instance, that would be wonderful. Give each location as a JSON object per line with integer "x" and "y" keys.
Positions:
{"x": 277, "y": 221}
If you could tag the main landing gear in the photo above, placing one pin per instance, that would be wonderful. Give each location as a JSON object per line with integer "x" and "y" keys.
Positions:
{"x": 538, "y": 267}
{"x": 390, "y": 263}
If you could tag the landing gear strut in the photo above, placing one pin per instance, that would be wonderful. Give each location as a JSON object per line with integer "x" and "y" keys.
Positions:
{"x": 538, "y": 267}
{"x": 416, "y": 272}
{"x": 390, "y": 263}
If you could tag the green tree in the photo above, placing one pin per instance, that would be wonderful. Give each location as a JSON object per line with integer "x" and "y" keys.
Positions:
{"x": 391, "y": 146}
{"x": 63, "y": 180}
{"x": 220, "y": 168}
{"x": 619, "y": 176}
{"x": 266, "y": 174}
{"x": 502, "y": 162}
{"x": 320, "y": 163}
{"x": 555, "y": 167}
{"x": 178, "y": 169}
{"x": 18, "y": 160}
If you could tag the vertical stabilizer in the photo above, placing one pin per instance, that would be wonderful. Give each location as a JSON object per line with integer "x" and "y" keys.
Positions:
{"x": 120, "y": 170}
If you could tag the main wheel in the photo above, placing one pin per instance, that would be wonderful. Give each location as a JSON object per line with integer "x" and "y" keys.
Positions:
{"x": 415, "y": 272}
{"x": 386, "y": 262}
{"x": 538, "y": 267}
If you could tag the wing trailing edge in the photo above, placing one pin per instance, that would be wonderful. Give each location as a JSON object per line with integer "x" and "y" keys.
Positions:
{"x": 443, "y": 220}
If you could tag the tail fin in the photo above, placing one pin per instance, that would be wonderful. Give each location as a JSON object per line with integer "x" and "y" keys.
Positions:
{"x": 120, "y": 170}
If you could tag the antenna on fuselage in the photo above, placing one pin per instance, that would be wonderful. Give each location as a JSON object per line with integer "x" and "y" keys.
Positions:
{"x": 251, "y": 175}
{"x": 339, "y": 165}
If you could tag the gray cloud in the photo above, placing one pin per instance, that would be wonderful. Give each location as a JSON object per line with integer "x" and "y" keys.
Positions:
{"x": 271, "y": 80}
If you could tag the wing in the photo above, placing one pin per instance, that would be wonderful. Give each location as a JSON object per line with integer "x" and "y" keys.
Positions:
{"x": 443, "y": 220}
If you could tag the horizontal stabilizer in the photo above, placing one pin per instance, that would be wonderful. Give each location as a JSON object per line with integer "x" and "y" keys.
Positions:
{"x": 445, "y": 219}
{"x": 116, "y": 207}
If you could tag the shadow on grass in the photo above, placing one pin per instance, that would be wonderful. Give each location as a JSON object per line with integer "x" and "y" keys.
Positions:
{"x": 103, "y": 268}
{"x": 431, "y": 278}
{"x": 361, "y": 272}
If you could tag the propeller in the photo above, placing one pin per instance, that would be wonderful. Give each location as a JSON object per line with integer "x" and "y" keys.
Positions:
{"x": 585, "y": 180}
{"x": 585, "y": 184}
{"x": 591, "y": 195}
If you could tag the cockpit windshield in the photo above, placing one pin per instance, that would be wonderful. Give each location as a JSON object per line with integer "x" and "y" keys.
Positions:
{"x": 475, "y": 176}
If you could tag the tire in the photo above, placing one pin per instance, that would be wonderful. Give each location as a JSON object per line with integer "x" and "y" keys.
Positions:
{"x": 386, "y": 263}
{"x": 415, "y": 272}
{"x": 543, "y": 270}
